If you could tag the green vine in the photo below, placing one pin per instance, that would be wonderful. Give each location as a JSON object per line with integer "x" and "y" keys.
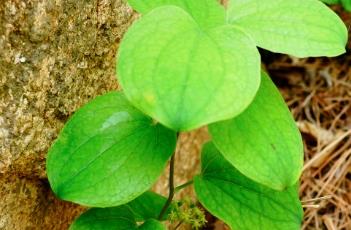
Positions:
{"x": 185, "y": 64}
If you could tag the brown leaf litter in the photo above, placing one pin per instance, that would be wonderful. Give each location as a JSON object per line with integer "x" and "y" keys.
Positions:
{"x": 318, "y": 91}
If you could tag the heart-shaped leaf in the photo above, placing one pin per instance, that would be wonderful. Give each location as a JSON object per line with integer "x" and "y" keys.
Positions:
{"x": 242, "y": 203}
{"x": 263, "y": 142}
{"x": 207, "y": 13}
{"x": 298, "y": 27}
{"x": 186, "y": 77}
{"x": 108, "y": 153}
{"x": 116, "y": 218}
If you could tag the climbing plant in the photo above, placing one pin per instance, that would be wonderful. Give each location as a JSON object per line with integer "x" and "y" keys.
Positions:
{"x": 182, "y": 65}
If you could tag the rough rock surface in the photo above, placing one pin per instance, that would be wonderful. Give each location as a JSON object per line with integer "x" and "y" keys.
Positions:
{"x": 55, "y": 55}
{"x": 29, "y": 204}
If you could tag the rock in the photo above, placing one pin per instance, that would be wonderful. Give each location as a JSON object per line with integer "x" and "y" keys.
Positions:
{"x": 55, "y": 55}
{"x": 29, "y": 204}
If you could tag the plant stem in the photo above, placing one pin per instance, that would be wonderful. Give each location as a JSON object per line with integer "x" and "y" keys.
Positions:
{"x": 180, "y": 187}
{"x": 171, "y": 188}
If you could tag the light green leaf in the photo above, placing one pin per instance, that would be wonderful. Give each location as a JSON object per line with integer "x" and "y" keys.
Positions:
{"x": 152, "y": 225}
{"x": 263, "y": 142}
{"x": 207, "y": 13}
{"x": 108, "y": 153}
{"x": 148, "y": 206}
{"x": 117, "y": 218}
{"x": 185, "y": 77}
{"x": 242, "y": 203}
{"x": 298, "y": 27}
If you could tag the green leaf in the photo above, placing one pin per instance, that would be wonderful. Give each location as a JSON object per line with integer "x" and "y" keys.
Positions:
{"x": 108, "y": 153}
{"x": 263, "y": 142}
{"x": 241, "y": 202}
{"x": 331, "y": 1}
{"x": 346, "y": 4}
{"x": 152, "y": 225}
{"x": 298, "y": 27}
{"x": 117, "y": 218}
{"x": 148, "y": 206}
{"x": 207, "y": 13}
{"x": 185, "y": 77}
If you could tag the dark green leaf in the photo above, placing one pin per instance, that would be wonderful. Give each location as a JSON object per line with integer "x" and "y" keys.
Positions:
{"x": 242, "y": 203}
{"x": 331, "y": 1}
{"x": 118, "y": 218}
{"x": 152, "y": 225}
{"x": 263, "y": 142}
{"x": 108, "y": 153}
{"x": 147, "y": 206}
{"x": 346, "y": 4}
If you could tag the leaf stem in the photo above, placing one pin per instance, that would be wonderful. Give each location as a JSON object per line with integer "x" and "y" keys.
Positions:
{"x": 180, "y": 187}
{"x": 171, "y": 186}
